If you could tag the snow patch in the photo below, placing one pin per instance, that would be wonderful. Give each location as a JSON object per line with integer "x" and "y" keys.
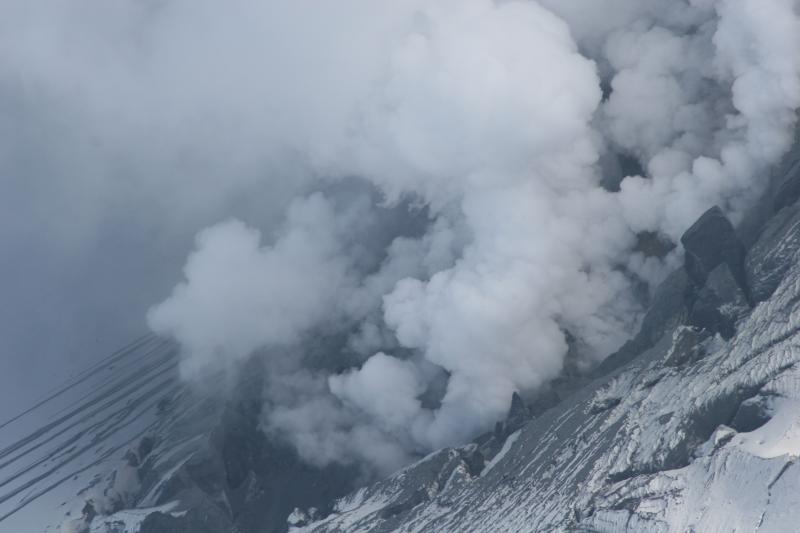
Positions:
{"x": 503, "y": 451}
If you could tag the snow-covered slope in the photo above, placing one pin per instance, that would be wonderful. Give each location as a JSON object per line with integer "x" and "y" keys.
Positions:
{"x": 127, "y": 447}
{"x": 71, "y": 439}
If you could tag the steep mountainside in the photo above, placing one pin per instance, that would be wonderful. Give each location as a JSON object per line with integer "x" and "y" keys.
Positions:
{"x": 693, "y": 425}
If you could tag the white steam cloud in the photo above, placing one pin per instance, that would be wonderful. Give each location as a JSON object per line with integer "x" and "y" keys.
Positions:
{"x": 490, "y": 115}
{"x": 487, "y": 118}
{"x": 242, "y": 297}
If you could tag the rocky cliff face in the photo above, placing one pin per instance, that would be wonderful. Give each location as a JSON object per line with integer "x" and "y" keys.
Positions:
{"x": 693, "y": 425}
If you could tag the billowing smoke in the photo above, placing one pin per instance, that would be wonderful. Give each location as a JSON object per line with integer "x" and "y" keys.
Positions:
{"x": 490, "y": 118}
{"x": 458, "y": 218}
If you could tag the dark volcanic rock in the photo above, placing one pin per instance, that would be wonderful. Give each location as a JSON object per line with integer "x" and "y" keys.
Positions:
{"x": 196, "y": 520}
{"x": 652, "y": 244}
{"x": 752, "y": 414}
{"x": 264, "y": 480}
{"x": 710, "y": 242}
{"x": 616, "y": 167}
{"x": 667, "y": 311}
{"x": 518, "y": 413}
{"x": 720, "y": 303}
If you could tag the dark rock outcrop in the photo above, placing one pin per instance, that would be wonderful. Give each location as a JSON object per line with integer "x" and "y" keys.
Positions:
{"x": 518, "y": 413}
{"x": 668, "y": 310}
{"x": 752, "y": 414}
{"x": 709, "y": 242}
{"x": 720, "y": 303}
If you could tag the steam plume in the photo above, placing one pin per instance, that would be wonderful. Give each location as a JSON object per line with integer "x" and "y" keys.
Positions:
{"x": 454, "y": 227}
{"x": 489, "y": 115}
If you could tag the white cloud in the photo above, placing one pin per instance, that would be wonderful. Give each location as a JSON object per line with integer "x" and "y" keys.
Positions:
{"x": 240, "y": 295}
{"x": 487, "y": 117}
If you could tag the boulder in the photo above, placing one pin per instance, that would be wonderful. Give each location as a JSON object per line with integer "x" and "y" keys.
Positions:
{"x": 709, "y": 242}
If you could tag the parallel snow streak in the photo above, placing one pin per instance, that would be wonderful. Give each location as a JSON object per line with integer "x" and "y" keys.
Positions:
{"x": 83, "y": 376}
{"x": 89, "y": 420}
